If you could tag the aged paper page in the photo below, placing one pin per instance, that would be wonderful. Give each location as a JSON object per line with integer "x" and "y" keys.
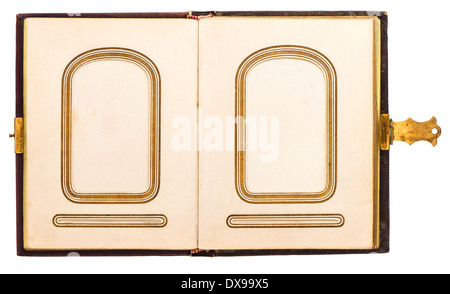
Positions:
{"x": 101, "y": 99}
{"x": 298, "y": 170}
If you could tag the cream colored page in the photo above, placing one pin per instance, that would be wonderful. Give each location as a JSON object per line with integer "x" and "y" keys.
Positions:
{"x": 112, "y": 119}
{"x": 294, "y": 83}
{"x": 110, "y": 150}
{"x": 290, "y": 96}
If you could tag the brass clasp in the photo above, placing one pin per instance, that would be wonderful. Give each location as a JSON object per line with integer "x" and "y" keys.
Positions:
{"x": 408, "y": 131}
{"x": 18, "y": 135}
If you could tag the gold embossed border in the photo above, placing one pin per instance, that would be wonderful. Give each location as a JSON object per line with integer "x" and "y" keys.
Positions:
{"x": 327, "y": 68}
{"x": 110, "y": 220}
{"x": 285, "y": 221}
{"x": 120, "y": 54}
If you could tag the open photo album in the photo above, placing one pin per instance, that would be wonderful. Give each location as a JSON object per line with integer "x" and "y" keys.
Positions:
{"x": 215, "y": 133}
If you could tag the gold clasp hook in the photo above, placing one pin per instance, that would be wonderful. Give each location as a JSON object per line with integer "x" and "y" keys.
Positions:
{"x": 408, "y": 131}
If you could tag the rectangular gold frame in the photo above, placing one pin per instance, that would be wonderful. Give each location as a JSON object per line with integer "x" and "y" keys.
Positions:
{"x": 327, "y": 68}
{"x": 285, "y": 221}
{"x": 110, "y": 220}
{"x": 153, "y": 76}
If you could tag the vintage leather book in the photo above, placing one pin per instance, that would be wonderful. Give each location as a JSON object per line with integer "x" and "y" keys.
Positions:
{"x": 204, "y": 133}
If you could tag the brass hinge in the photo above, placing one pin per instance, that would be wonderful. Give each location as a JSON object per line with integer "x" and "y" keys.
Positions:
{"x": 18, "y": 135}
{"x": 408, "y": 131}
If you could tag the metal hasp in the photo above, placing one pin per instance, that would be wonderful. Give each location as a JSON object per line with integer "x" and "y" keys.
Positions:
{"x": 408, "y": 131}
{"x": 18, "y": 135}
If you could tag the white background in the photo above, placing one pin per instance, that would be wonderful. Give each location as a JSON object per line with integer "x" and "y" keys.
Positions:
{"x": 419, "y": 195}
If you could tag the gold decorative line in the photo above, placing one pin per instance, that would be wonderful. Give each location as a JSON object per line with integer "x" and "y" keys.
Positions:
{"x": 153, "y": 76}
{"x": 285, "y": 221}
{"x": 110, "y": 220}
{"x": 377, "y": 132}
{"x": 329, "y": 72}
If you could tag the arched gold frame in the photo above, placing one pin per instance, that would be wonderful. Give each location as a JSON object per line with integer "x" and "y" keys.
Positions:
{"x": 328, "y": 70}
{"x": 126, "y": 55}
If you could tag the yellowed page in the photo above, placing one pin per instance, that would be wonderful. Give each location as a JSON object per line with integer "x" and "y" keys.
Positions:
{"x": 309, "y": 181}
{"x": 100, "y": 168}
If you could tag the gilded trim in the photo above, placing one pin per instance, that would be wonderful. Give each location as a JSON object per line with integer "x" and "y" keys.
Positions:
{"x": 110, "y": 220}
{"x": 327, "y": 68}
{"x": 285, "y": 221}
{"x": 152, "y": 72}
{"x": 377, "y": 132}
